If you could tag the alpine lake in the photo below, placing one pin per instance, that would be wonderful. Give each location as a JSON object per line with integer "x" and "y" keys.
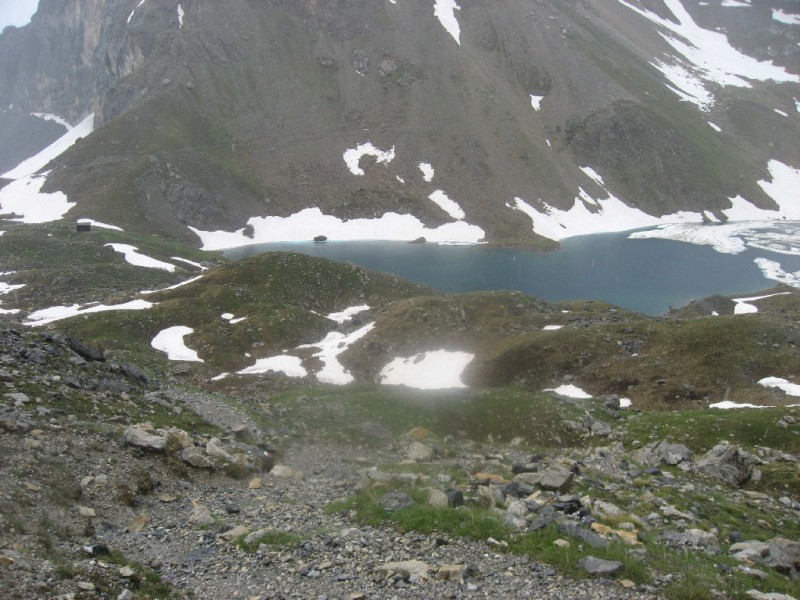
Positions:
{"x": 645, "y": 275}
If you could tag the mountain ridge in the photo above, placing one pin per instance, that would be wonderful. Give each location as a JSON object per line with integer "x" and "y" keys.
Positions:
{"x": 210, "y": 120}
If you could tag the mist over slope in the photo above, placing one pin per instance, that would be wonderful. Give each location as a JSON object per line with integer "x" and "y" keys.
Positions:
{"x": 490, "y": 121}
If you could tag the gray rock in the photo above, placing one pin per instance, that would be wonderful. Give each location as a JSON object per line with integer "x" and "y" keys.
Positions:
{"x": 654, "y": 454}
{"x": 396, "y": 500}
{"x": 438, "y": 499}
{"x": 455, "y": 497}
{"x": 600, "y": 566}
{"x": 601, "y": 429}
{"x": 195, "y": 458}
{"x": 420, "y": 452}
{"x": 590, "y": 537}
{"x": 135, "y": 436}
{"x": 555, "y": 480}
{"x": 386, "y": 67}
{"x": 728, "y": 463}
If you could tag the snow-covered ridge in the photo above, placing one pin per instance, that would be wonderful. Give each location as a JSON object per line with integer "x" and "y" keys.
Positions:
{"x": 705, "y": 56}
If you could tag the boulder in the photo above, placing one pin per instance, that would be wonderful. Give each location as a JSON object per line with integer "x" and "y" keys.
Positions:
{"x": 137, "y": 436}
{"x": 555, "y": 480}
{"x": 200, "y": 515}
{"x": 728, "y": 463}
{"x": 420, "y": 452}
{"x": 396, "y": 500}
{"x": 194, "y": 457}
{"x": 600, "y": 566}
{"x": 438, "y": 498}
{"x": 414, "y": 571}
{"x": 654, "y": 454}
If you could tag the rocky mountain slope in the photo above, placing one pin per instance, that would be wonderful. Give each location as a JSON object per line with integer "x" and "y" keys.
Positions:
{"x": 120, "y": 485}
{"x": 501, "y": 121}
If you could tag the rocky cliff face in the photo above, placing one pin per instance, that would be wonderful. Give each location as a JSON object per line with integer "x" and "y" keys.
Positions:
{"x": 214, "y": 113}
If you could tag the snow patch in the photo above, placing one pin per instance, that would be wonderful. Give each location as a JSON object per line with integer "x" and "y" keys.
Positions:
{"x": 536, "y": 102}
{"x": 180, "y": 16}
{"x": 171, "y": 342}
{"x": 787, "y": 18}
{"x": 791, "y": 389}
{"x": 352, "y": 156}
{"x": 133, "y": 12}
{"x": 172, "y": 287}
{"x": 730, "y": 405}
{"x": 715, "y": 127}
{"x": 291, "y": 366}
{"x": 330, "y": 348}
{"x": 133, "y": 257}
{"x": 189, "y": 262}
{"x": 31, "y": 165}
{"x": 99, "y": 225}
{"x": 552, "y": 327}
{"x": 427, "y": 171}
{"x": 780, "y": 112}
{"x": 435, "y": 370}
{"x": 310, "y": 222}
{"x": 24, "y": 197}
{"x": 743, "y": 306}
{"x": 625, "y": 402}
{"x": 347, "y": 314}
{"x": 570, "y": 391}
{"x": 444, "y": 10}
{"x": 451, "y": 207}
{"x": 58, "y": 313}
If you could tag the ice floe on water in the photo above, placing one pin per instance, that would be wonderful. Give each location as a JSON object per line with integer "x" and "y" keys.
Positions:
{"x": 570, "y": 391}
{"x": 24, "y": 198}
{"x": 705, "y": 56}
{"x": 133, "y": 257}
{"x": 352, "y": 157}
{"x": 59, "y": 313}
{"x": 790, "y": 389}
{"x": 291, "y": 366}
{"x": 305, "y": 225}
{"x": 774, "y": 271}
{"x": 347, "y": 314}
{"x": 170, "y": 341}
{"x": 434, "y": 370}
{"x": 445, "y": 11}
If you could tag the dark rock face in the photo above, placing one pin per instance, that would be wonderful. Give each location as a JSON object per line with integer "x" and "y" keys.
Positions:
{"x": 253, "y": 104}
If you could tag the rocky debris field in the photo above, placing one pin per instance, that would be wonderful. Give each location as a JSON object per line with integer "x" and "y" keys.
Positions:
{"x": 116, "y": 486}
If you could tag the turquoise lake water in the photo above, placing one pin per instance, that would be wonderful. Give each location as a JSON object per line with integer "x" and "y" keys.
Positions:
{"x": 647, "y": 276}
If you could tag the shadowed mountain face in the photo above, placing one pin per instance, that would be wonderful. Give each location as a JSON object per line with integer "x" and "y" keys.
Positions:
{"x": 210, "y": 113}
